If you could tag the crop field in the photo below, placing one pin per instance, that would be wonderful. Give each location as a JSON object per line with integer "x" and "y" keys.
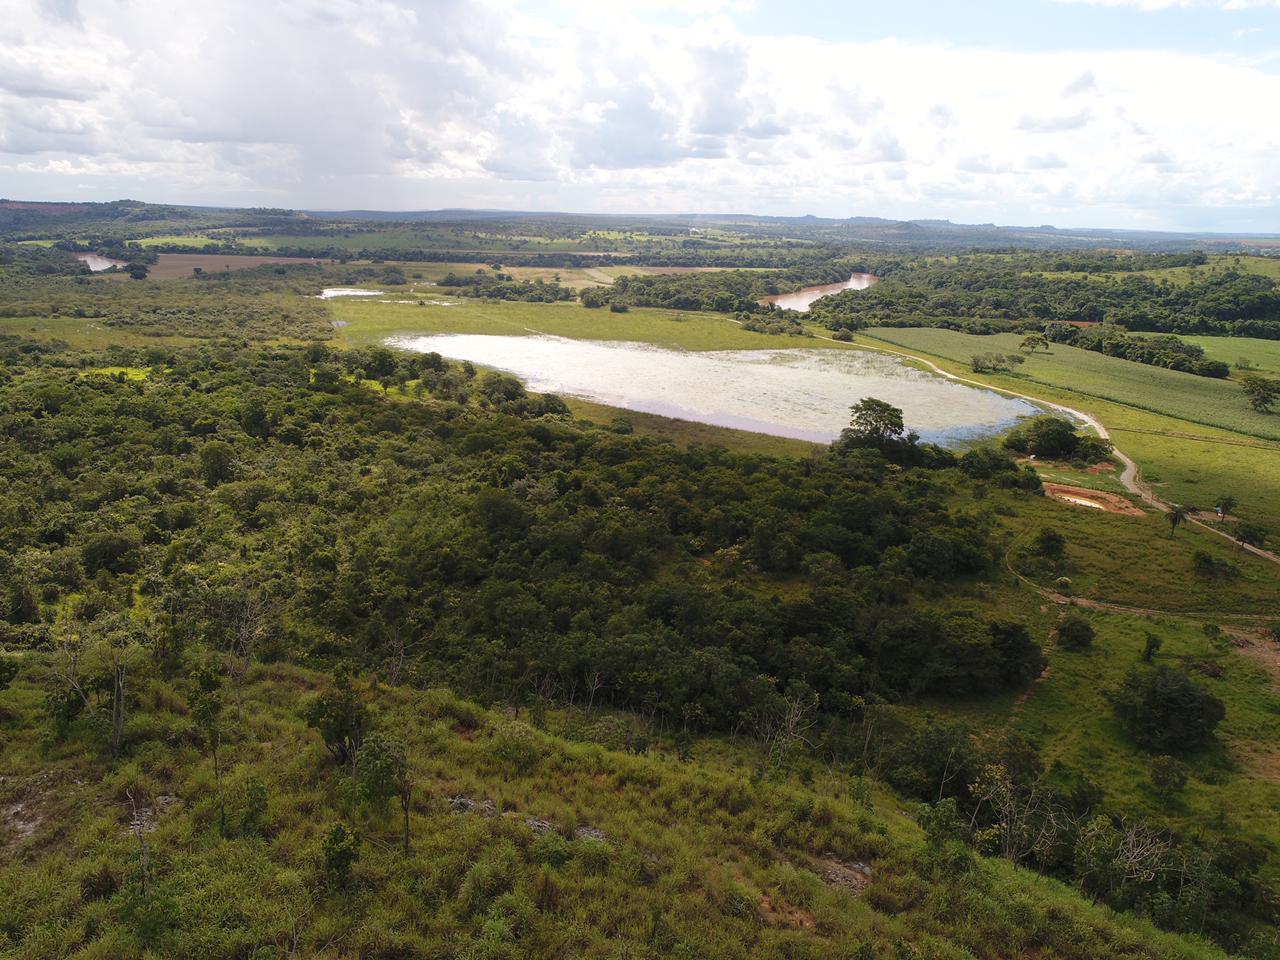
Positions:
{"x": 1200, "y": 400}
{"x": 1186, "y": 463}
{"x": 374, "y": 322}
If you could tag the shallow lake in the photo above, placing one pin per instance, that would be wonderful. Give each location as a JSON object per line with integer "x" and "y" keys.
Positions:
{"x": 96, "y": 263}
{"x": 801, "y": 393}
{"x": 802, "y": 300}
{"x": 329, "y": 293}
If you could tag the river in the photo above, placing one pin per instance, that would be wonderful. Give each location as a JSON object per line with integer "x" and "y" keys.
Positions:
{"x": 801, "y": 300}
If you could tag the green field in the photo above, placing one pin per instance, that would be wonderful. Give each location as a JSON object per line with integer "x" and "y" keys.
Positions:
{"x": 1199, "y": 400}
{"x": 1262, "y": 355}
{"x": 1180, "y": 276}
{"x": 375, "y": 322}
{"x": 1185, "y": 462}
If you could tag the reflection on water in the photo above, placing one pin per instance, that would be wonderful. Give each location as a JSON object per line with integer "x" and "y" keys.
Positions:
{"x": 328, "y": 293}
{"x": 801, "y": 393}
{"x": 96, "y": 263}
{"x": 803, "y": 299}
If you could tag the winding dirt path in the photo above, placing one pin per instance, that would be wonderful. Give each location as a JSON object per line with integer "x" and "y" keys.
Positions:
{"x": 1130, "y": 476}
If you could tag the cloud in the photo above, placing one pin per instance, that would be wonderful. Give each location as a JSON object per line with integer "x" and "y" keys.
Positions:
{"x": 332, "y": 104}
{"x": 1151, "y": 5}
{"x": 1045, "y": 161}
{"x": 1054, "y": 124}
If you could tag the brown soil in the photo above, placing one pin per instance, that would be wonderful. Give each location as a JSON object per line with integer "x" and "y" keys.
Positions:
{"x": 1092, "y": 499}
{"x": 784, "y": 914}
{"x": 172, "y": 265}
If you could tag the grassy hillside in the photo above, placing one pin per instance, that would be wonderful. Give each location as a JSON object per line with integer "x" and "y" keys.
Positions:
{"x": 522, "y": 843}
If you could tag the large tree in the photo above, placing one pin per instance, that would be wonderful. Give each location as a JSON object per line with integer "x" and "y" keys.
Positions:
{"x": 873, "y": 423}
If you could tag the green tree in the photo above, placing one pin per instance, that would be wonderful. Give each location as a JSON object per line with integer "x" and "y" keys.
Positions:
{"x": 206, "y": 716}
{"x": 1248, "y": 533}
{"x": 1261, "y": 392}
{"x": 384, "y": 773}
{"x": 216, "y": 459}
{"x": 1177, "y": 513}
{"x": 340, "y": 717}
{"x": 1164, "y": 710}
{"x": 1075, "y": 633}
{"x": 874, "y": 423}
{"x": 341, "y": 851}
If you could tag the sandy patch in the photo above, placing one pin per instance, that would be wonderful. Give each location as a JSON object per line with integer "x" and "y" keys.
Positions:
{"x": 1092, "y": 499}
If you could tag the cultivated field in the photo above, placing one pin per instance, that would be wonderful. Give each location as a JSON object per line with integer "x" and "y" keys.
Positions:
{"x": 1200, "y": 400}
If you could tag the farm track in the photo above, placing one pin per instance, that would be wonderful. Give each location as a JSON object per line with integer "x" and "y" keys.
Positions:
{"x": 1130, "y": 477}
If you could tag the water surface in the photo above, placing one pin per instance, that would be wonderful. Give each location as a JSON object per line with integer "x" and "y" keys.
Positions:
{"x": 800, "y": 393}
{"x": 96, "y": 263}
{"x": 802, "y": 300}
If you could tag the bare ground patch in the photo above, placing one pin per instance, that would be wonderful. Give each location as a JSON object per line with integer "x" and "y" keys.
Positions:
{"x": 1092, "y": 499}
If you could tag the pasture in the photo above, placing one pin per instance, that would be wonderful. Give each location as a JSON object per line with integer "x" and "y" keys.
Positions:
{"x": 1186, "y": 463}
{"x": 372, "y": 322}
{"x": 1199, "y": 400}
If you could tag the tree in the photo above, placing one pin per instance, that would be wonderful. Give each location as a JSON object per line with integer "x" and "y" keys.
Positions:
{"x": 1168, "y": 775}
{"x": 1261, "y": 392}
{"x": 1033, "y": 342}
{"x": 874, "y": 423}
{"x": 1164, "y": 710}
{"x": 1226, "y": 504}
{"x": 340, "y": 717}
{"x": 216, "y": 458}
{"x": 341, "y": 851}
{"x": 1075, "y": 633}
{"x": 384, "y": 773}
{"x": 206, "y": 715}
{"x": 1049, "y": 542}
{"x": 1151, "y": 648}
{"x": 1249, "y": 534}
{"x": 1177, "y": 513}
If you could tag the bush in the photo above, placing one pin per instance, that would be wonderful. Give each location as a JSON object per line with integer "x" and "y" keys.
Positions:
{"x": 1165, "y": 710}
{"x": 1050, "y": 543}
{"x": 1168, "y": 775}
{"x": 1075, "y": 633}
{"x": 341, "y": 851}
{"x": 516, "y": 748}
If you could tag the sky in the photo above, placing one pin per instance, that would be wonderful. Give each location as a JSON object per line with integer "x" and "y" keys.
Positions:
{"x": 1149, "y": 114}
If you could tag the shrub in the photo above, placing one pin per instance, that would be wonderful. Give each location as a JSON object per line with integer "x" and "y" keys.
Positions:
{"x": 341, "y": 851}
{"x": 1165, "y": 710}
{"x": 1168, "y": 775}
{"x": 1075, "y": 633}
{"x": 1050, "y": 543}
{"x": 515, "y": 747}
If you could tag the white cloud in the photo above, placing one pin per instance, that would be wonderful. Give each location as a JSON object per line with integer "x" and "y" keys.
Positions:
{"x": 400, "y": 104}
{"x": 1181, "y": 4}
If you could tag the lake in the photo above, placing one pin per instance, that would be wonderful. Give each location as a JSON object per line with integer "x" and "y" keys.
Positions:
{"x": 802, "y": 393}
{"x": 96, "y": 263}
{"x": 802, "y": 300}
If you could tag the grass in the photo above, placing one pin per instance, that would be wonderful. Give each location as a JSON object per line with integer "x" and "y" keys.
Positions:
{"x": 374, "y": 322}
{"x": 685, "y": 433}
{"x": 1068, "y": 718}
{"x": 1199, "y": 400}
{"x": 195, "y": 239}
{"x": 84, "y": 333}
{"x": 1263, "y": 355}
{"x": 694, "y": 860}
{"x": 1181, "y": 276}
{"x": 1187, "y": 463}
{"x": 1134, "y": 561}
